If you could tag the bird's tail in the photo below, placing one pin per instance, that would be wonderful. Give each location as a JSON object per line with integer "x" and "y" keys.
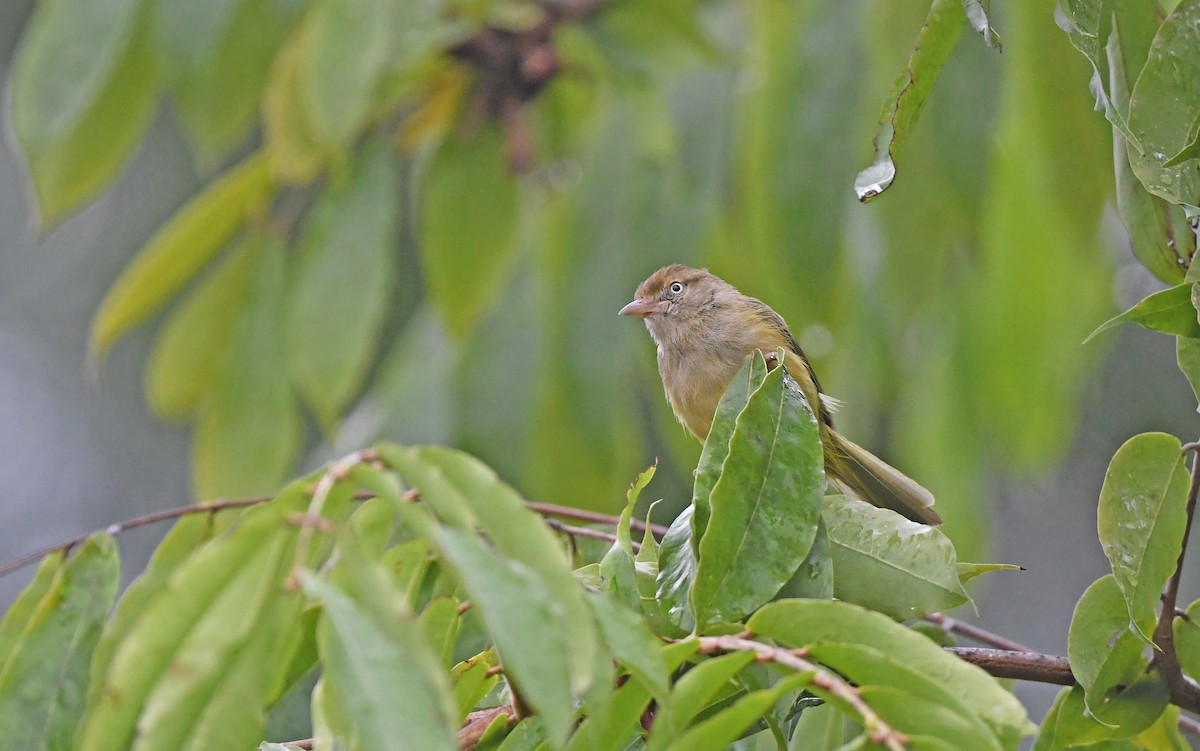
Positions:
{"x": 860, "y": 473}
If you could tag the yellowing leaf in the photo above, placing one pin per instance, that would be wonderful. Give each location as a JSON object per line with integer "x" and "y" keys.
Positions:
{"x": 180, "y": 248}
{"x": 293, "y": 150}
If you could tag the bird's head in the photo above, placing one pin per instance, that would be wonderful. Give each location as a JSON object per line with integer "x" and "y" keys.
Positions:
{"x": 676, "y": 299}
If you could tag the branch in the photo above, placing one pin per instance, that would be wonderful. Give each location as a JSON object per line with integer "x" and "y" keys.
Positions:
{"x": 1021, "y": 665}
{"x": 975, "y": 633}
{"x": 1184, "y": 691}
{"x": 881, "y": 733}
{"x": 212, "y": 507}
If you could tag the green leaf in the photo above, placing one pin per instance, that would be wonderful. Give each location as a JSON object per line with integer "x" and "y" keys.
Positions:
{"x": 180, "y": 248}
{"x": 887, "y": 563}
{"x": 968, "y": 571}
{"x": 376, "y": 661}
{"x": 248, "y": 431}
{"x": 526, "y": 735}
{"x": 866, "y": 666}
{"x": 468, "y": 233}
{"x": 1105, "y": 655}
{"x": 677, "y": 571}
{"x": 472, "y": 683}
{"x": 16, "y": 618}
{"x": 521, "y": 618}
{"x": 799, "y": 623}
{"x": 339, "y": 295}
{"x": 718, "y": 731}
{"x": 41, "y": 682}
{"x": 348, "y": 51}
{"x": 1141, "y": 520}
{"x": 1070, "y": 725}
{"x": 617, "y": 566}
{"x": 439, "y": 624}
{"x": 1164, "y": 109}
{"x": 82, "y": 95}
{"x": 456, "y": 483}
{"x": 1164, "y": 734}
{"x": 293, "y": 150}
{"x": 748, "y": 379}
{"x": 915, "y": 715}
{"x": 187, "y": 361}
{"x": 155, "y": 635}
{"x": 814, "y": 578}
{"x": 977, "y": 15}
{"x": 1169, "y": 311}
{"x": 765, "y": 506}
{"x": 697, "y": 688}
{"x": 218, "y": 56}
{"x": 907, "y": 97}
{"x": 1089, "y": 23}
{"x": 1187, "y": 354}
{"x": 1187, "y": 640}
{"x": 632, "y": 643}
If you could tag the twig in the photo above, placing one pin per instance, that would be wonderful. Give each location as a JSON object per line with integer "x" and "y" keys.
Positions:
{"x": 983, "y": 636}
{"x": 542, "y": 509}
{"x": 881, "y": 732}
{"x": 1184, "y": 691}
{"x": 1021, "y": 665}
{"x": 595, "y": 534}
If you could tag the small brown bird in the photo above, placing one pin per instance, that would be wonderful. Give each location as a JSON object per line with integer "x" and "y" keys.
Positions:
{"x": 704, "y": 328}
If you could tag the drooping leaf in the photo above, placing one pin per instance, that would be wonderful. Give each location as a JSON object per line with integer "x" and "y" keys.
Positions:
{"x": 338, "y": 298}
{"x": 978, "y": 14}
{"x": 180, "y": 248}
{"x": 1105, "y": 655}
{"x": 82, "y": 95}
{"x": 1164, "y": 109}
{"x": 468, "y": 232}
{"x": 887, "y": 563}
{"x": 765, "y": 505}
{"x": 376, "y": 661}
{"x": 1141, "y": 519}
{"x": 294, "y": 151}
{"x": 189, "y": 354}
{"x": 798, "y": 623}
{"x": 42, "y": 680}
{"x": 907, "y": 97}
{"x": 248, "y": 430}
{"x": 1169, "y": 311}
{"x": 517, "y": 609}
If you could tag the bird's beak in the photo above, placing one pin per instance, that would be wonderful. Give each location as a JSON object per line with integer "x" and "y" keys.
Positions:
{"x": 640, "y": 308}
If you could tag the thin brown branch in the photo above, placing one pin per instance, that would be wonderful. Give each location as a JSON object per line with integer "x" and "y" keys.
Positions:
{"x": 975, "y": 633}
{"x": 1184, "y": 691}
{"x": 881, "y": 733}
{"x": 583, "y": 515}
{"x": 595, "y": 534}
{"x": 1021, "y": 665}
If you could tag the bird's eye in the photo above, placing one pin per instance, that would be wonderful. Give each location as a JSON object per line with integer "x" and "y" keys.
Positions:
{"x": 676, "y": 288}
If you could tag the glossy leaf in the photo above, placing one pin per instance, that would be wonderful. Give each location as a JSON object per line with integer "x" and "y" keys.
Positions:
{"x": 180, "y": 248}
{"x": 1169, "y": 311}
{"x": 248, "y": 431}
{"x": 42, "y": 679}
{"x": 1165, "y": 108}
{"x": 798, "y": 623}
{"x": 907, "y": 97}
{"x": 677, "y": 571}
{"x": 82, "y": 96}
{"x": 765, "y": 506}
{"x": 1141, "y": 520}
{"x": 814, "y": 579}
{"x": 887, "y": 563}
{"x": 468, "y": 232}
{"x": 1105, "y": 655}
{"x": 339, "y": 295}
{"x": 516, "y": 607}
{"x": 376, "y": 661}
{"x": 188, "y": 358}
{"x": 716, "y": 445}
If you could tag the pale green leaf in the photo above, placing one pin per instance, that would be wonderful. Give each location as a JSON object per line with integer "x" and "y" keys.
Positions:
{"x": 1169, "y": 311}
{"x": 1105, "y": 655}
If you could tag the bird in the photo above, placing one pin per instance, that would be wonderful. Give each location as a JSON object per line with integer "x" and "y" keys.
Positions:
{"x": 704, "y": 328}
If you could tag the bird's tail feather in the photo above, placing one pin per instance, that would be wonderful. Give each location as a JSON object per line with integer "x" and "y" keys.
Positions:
{"x": 864, "y": 475}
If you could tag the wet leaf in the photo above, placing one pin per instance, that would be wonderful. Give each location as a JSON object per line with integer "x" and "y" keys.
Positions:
{"x": 765, "y": 505}
{"x": 1169, "y": 311}
{"x": 887, "y": 563}
{"x": 1105, "y": 655}
{"x": 907, "y": 97}
{"x": 1141, "y": 519}
{"x": 978, "y": 12}
{"x": 1164, "y": 109}
{"x": 814, "y": 578}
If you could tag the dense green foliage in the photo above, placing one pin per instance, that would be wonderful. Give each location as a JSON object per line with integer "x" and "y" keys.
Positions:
{"x": 394, "y": 592}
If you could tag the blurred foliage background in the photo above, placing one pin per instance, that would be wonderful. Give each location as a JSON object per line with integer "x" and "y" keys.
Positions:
{"x": 333, "y": 232}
